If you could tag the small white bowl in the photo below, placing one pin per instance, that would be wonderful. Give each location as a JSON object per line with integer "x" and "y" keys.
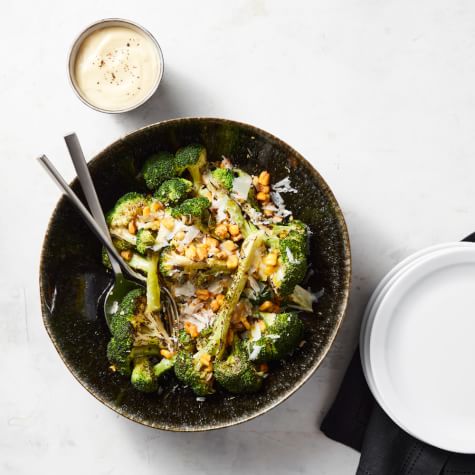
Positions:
{"x": 97, "y": 26}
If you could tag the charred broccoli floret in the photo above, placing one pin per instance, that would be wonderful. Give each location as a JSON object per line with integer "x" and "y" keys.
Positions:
{"x": 173, "y": 191}
{"x": 158, "y": 168}
{"x": 193, "y": 159}
{"x": 292, "y": 262}
{"x": 145, "y": 240}
{"x": 223, "y": 177}
{"x": 236, "y": 373}
{"x": 124, "y": 211}
{"x": 281, "y": 336}
{"x": 194, "y": 207}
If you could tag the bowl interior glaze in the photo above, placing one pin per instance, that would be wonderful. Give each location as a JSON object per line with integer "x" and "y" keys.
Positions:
{"x": 72, "y": 277}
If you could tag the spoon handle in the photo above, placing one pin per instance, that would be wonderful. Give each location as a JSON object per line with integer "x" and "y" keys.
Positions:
{"x": 87, "y": 185}
{"x": 76, "y": 202}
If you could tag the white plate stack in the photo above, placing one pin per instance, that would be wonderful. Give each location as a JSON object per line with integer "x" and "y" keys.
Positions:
{"x": 418, "y": 345}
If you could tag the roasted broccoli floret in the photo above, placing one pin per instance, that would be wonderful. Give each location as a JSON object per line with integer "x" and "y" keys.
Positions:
{"x": 223, "y": 177}
{"x": 173, "y": 191}
{"x": 145, "y": 240}
{"x": 158, "y": 168}
{"x": 143, "y": 377}
{"x": 193, "y": 159}
{"x": 236, "y": 373}
{"x": 283, "y": 333}
{"x": 193, "y": 369}
{"x": 194, "y": 207}
{"x": 136, "y": 330}
{"x": 291, "y": 243}
{"x": 172, "y": 263}
{"x": 124, "y": 211}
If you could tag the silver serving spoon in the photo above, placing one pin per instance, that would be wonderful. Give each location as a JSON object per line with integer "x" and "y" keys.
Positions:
{"x": 125, "y": 278}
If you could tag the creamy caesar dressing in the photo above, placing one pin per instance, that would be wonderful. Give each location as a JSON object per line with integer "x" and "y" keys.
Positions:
{"x": 116, "y": 68}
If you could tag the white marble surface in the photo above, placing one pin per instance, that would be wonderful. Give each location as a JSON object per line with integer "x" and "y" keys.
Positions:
{"x": 379, "y": 96}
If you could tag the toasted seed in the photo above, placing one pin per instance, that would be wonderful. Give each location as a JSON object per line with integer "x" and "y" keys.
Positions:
{"x": 132, "y": 228}
{"x": 191, "y": 329}
{"x": 201, "y": 251}
{"x": 265, "y": 305}
{"x": 203, "y": 294}
{"x": 211, "y": 242}
{"x": 214, "y": 305}
{"x": 261, "y": 196}
{"x": 166, "y": 354}
{"x": 222, "y": 231}
{"x": 264, "y": 178}
{"x": 190, "y": 251}
{"x": 127, "y": 255}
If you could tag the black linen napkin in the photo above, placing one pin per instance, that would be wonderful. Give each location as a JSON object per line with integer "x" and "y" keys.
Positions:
{"x": 356, "y": 420}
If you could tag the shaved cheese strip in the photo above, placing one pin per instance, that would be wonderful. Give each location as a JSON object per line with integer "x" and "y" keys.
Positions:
{"x": 256, "y": 349}
{"x": 283, "y": 186}
{"x": 241, "y": 186}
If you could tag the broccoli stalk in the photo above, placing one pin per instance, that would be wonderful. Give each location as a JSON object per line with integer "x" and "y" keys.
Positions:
{"x": 153, "y": 286}
{"x": 236, "y": 373}
{"x": 189, "y": 367}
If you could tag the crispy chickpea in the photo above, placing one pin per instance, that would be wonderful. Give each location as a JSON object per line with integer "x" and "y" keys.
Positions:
{"x": 190, "y": 251}
{"x": 267, "y": 305}
{"x": 131, "y": 227}
{"x": 233, "y": 229}
{"x": 229, "y": 246}
{"x": 232, "y": 262}
{"x": 222, "y": 231}
{"x": 270, "y": 259}
{"x": 127, "y": 255}
{"x": 203, "y": 294}
{"x": 264, "y": 178}
{"x": 168, "y": 222}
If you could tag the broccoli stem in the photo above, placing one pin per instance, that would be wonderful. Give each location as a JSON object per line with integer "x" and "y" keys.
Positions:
{"x": 153, "y": 286}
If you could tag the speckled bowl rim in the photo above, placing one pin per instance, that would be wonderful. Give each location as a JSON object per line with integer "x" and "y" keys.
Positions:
{"x": 341, "y": 311}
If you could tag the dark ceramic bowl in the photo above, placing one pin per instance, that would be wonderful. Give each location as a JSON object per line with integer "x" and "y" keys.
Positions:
{"x": 72, "y": 277}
